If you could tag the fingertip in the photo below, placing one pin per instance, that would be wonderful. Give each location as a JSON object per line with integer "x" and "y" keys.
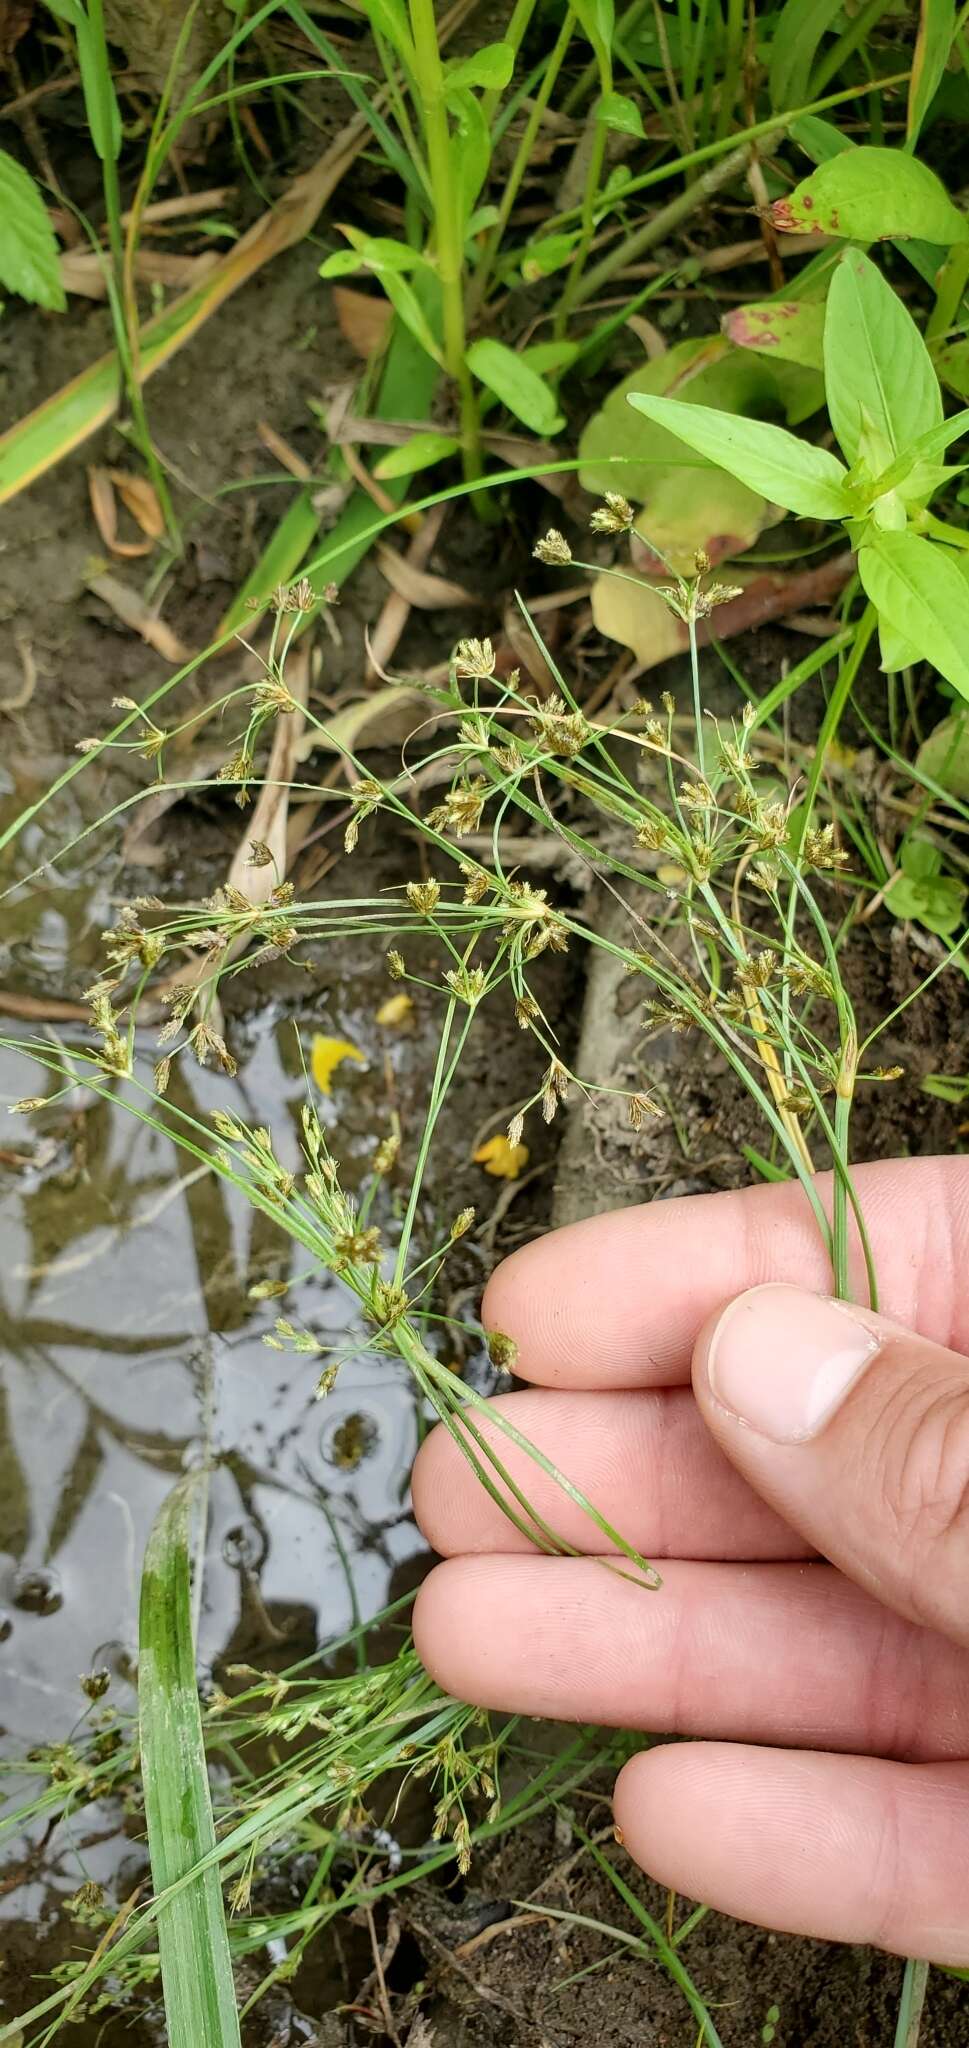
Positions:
{"x": 430, "y": 1487}
{"x": 433, "y": 1624}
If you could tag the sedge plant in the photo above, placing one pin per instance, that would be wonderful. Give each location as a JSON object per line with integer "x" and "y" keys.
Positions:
{"x": 745, "y": 952}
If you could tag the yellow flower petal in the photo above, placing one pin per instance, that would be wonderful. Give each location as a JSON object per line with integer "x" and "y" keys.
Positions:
{"x": 505, "y": 1161}
{"x": 397, "y": 1013}
{"x": 325, "y": 1057}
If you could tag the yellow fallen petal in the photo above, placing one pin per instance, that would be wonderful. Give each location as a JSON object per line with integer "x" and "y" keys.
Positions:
{"x": 397, "y": 1012}
{"x": 325, "y": 1057}
{"x": 503, "y": 1160}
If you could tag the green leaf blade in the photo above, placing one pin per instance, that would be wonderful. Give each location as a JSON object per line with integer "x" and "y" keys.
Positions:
{"x": 937, "y": 28}
{"x": 30, "y": 261}
{"x": 200, "y": 2001}
{"x": 919, "y": 589}
{"x": 881, "y": 388}
{"x": 768, "y": 459}
{"x": 872, "y": 195}
{"x": 516, "y": 384}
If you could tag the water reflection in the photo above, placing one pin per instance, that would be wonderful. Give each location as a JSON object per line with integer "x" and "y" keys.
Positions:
{"x": 129, "y": 1344}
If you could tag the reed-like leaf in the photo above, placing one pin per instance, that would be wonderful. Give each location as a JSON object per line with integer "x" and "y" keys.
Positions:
{"x": 200, "y": 2002}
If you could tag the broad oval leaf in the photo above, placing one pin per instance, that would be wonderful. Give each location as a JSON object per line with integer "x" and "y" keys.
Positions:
{"x": 917, "y": 586}
{"x": 872, "y": 195}
{"x": 616, "y": 110}
{"x": 791, "y": 329}
{"x": 702, "y": 371}
{"x": 767, "y": 459}
{"x": 881, "y": 388}
{"x": 30, "y": 261}
{"x": 518, "y": 386}
{"x": 490, "y": 68}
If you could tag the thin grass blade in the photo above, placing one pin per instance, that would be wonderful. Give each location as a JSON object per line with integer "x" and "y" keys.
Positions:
{"x": 200, "y": 2001}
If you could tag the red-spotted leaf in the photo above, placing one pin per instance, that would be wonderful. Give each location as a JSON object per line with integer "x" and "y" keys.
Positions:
{"x": 872, "y": 195}
{"x": 791, "y": 329}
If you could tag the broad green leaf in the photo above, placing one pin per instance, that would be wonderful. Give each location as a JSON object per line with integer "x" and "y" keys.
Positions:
{"x": 881, "y": 388}
{"x": 516, "y": 384}
{"x": 872, "y": 195}
{"x": 549, "y": 253}
{"x": 409, "y": 310}
{"x": 200, "y": 2003}
{"x": 420, "y": 452}
{"x": 917, "y": 586}
{"x": 691, "y": 510}
{"x": 937, "y": 28}
{"x": 701, "y": 372}
{"x": 616, "y": 110}
{"x": 550, "y": 355}
{"x": 945, "y": 754}
{"x": 470, "y": 153}
{"x": 30, "y": 261}
{"x": 768, "y": 459}
{"x": 490, "y": 68}
{"x": 797, "y": 32}
{"x": 952, "y": 363}
{"x": 792, "y": 329}
{"x": 935, "y": 901}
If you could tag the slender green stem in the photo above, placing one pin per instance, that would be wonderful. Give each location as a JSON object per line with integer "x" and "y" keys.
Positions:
{"x": 914, "y": 1987}
{"x": 593, "y": 179}
{"x": 448, "y": 226}
{"x": 523, "y": 156}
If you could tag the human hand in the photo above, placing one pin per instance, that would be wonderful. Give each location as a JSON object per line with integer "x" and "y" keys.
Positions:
{"x": 810, "y": 1428}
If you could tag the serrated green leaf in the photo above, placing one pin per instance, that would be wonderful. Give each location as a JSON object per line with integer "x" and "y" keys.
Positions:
{"x": 30, "y": 261}
{"x": 921, "y": 592}
{"x": 616, "y": 110}
{"x": 490, "y": 68}
{"x": 792, "y": 329}
{"x": 881, "y": 389}
{"x": 420, "y": 452}
{"x": 937, "y": 28}
{"x": 769, "y": 460}
{"x": 516, "y": 384}
{"x": 872, "y": 195}
{"x": 200, "y": 2002}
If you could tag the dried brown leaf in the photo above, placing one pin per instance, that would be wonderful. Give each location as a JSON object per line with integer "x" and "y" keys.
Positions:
{"x": 134, "y": 611}
{"x": 363, "y": 321}
{"x": 418, "y": 586}
{"x": 141, "y": 500}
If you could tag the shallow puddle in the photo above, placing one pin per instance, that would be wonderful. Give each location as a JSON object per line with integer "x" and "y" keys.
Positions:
{"x": 131, "y": 1347}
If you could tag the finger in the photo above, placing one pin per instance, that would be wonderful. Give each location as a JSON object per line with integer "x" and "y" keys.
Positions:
{"x": 764, "y": 1653}
{"x": 841, "y": 1848}
{"x": 618, "y": 1301}
{"x": 645, "y": 1460}
{"x": 857, "y": 1432}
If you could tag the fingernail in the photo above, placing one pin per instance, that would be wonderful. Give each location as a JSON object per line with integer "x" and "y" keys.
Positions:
{"x": 783, "y": 1360}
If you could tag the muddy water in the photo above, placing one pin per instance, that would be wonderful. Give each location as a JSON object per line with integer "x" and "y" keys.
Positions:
{"x": 130, "y": 1347}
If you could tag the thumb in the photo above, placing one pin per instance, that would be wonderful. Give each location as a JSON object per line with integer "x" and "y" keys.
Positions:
{"x": 857, "y": 1432}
